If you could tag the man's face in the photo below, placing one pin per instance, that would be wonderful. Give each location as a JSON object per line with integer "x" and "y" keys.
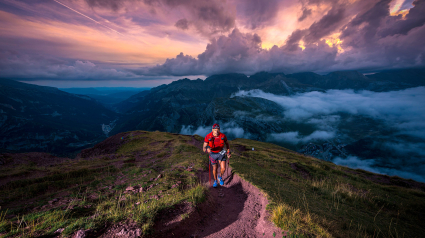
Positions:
{"x": 215, "y": 131}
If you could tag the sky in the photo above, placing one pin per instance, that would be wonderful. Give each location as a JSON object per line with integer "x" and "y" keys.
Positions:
{"x": 145, "y": 43}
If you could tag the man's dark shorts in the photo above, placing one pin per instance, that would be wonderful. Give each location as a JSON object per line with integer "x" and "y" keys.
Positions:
{"x": 214, "y": 157}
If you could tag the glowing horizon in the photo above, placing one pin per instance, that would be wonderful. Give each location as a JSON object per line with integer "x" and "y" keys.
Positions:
{"x": 125, "y": 40}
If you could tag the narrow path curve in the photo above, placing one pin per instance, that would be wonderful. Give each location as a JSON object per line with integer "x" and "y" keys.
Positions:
{"x": 237, "y": 209}
{"x": 238, "y": 198}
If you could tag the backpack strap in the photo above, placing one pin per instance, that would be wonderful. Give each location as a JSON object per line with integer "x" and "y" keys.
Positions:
{"x": 211, "y": 142}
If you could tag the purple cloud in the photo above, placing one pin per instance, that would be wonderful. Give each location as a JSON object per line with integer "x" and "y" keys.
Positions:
{"x": 366, "y": 47}
{"x": 207, "y": 17}
{"x": 182, "y": 24}
{"x": 325, "y": 26}
{"x": 16, "y": 65}
{"x": 306, "y": 13}
{"x": 242, "y": 53}
{"x": 415, "y": 18}
{"x": 257, "y": 13}
{"x": 371, "y": 38}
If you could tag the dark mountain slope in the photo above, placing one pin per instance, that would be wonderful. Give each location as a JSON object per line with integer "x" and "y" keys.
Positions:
{"x": 37, "y": 118}
{"x": 130, "y": 102}
{"x": 408, "y": 77}
{"x": 168, "y": 107}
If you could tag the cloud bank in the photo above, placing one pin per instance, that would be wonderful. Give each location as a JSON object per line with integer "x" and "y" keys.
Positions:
{"x": 402, "y": 110}
{"x": 230, "y": 129}
{"x": 294, "y": 137}
{"x": 397, "y": 144}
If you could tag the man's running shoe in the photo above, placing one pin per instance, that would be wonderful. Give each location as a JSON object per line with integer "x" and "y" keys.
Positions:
{"x": 221, "y": 181}
{"x": 215, "y": 184}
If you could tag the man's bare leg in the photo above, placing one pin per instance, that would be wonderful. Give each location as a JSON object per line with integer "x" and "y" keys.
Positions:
{"x": 223, "y": 168}
{"x": 215, "y": 171}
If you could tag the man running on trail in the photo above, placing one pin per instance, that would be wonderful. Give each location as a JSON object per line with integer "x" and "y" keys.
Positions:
{"x": 213, "y": 144}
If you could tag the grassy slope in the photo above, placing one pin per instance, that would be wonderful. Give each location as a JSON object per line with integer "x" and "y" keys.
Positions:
{"x": 310, "y": 197}
{"x": 91, "y": 191}
{"x": 314, "y": 197}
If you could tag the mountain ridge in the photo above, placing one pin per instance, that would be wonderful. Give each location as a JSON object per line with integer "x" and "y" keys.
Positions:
{"x": 169, "y": 100}
{"x": 47, "y": 119}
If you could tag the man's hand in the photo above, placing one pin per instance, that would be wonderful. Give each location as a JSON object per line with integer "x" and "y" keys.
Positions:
{"x": 228, "y": 154}
{"x": 206, "y": 147}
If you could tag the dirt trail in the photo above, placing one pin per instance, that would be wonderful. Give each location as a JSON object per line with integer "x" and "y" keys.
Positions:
{"x": 236, "y": 209}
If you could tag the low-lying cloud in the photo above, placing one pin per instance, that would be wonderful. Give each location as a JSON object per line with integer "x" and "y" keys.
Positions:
{"x": 403, "y": 110}
{"x": 396, "y": 146}
{"x": 230, "y": 129}
{"x": 294, "y": 137}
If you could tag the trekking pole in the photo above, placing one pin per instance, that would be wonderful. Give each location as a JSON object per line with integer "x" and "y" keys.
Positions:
{"x": 209, "y": 169}
{"x": 228, "y": 164}
{"x": 209, "y": 166}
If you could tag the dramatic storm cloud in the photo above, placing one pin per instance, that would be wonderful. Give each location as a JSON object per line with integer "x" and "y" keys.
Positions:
{"x": 130, "y": 39}
{"x": 373, "y": 40}
{"x": 242, "y": 53}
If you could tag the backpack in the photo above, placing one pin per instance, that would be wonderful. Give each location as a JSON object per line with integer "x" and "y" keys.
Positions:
{"x": 211, "y": 141}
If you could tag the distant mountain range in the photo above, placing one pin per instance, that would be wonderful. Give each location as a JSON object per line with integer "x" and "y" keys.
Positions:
{"x": 201, "y": 102}
{"x": 108, "y": 97}
{"x": 38, "y": 118}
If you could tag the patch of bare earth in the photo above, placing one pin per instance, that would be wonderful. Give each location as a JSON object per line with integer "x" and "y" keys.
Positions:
{"x": 237, "y": 209}
{"x": 124, "y": 230}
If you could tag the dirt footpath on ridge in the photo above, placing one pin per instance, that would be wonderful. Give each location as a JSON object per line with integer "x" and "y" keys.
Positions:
{"x": 237, "y": 209}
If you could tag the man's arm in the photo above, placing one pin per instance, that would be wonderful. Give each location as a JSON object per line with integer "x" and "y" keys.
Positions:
{"x": 206, "y": 147}
{"x": 228, "y": 149}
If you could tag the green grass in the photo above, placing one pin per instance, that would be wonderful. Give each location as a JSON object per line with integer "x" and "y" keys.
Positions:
{"x": 317, "y": 199}
{"x": 95, "y": 188}
{"x": 327, "y": 201}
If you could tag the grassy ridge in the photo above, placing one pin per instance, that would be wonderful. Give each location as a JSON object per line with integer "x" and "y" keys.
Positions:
{"x": 311, "y": 197}
{"x": 91, "y": 192}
